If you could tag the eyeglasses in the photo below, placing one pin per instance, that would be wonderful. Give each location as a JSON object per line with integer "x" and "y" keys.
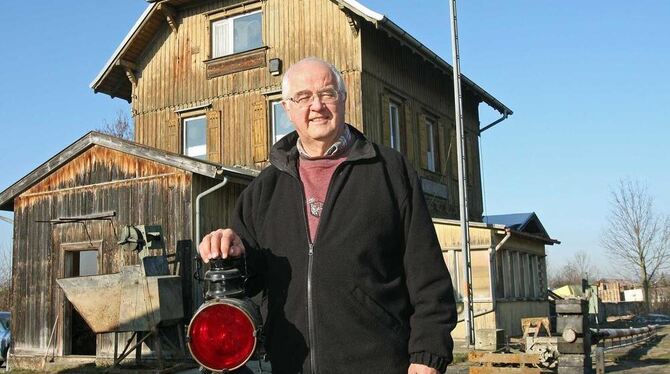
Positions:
{"x": 304, "y": 99}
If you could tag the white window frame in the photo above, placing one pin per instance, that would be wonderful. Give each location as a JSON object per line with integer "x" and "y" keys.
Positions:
{"x": 431, "y": 156}
{"x": 394, "y": 124}
{"x": 273, "y": 104}
{"x": 185, "y": 150}
{"x": 228, "y": 23}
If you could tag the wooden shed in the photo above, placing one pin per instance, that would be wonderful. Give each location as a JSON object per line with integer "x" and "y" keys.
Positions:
{"x": 67, "y": 217}
{"x": 508, "y": 268}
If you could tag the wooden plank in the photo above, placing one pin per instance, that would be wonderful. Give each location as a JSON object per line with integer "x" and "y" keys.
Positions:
{"x": 504, "y": 358}
{"x": 502, "y": 370}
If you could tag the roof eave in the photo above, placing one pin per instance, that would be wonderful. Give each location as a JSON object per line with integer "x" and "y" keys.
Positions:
{"x": 380, "y": 20}
{"x": 122, "y": 47}
{"x": 205, "y": 168}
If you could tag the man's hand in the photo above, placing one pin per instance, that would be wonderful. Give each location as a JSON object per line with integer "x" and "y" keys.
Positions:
{"x": 220, "y": 243}
{"x": 421, "y": 369}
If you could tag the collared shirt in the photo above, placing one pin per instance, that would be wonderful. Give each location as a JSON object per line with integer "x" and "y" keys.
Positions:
{"x": 338, "y": 148}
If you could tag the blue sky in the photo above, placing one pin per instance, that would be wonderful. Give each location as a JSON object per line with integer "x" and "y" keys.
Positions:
{"x": 587, "y": 81}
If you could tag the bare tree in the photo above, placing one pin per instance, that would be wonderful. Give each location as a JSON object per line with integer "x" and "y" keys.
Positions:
{"x": 577, "y": 268}
{"x": 636, "y": 235}
{"x": 5, "y": 277}
{"x": 121, "y": 127}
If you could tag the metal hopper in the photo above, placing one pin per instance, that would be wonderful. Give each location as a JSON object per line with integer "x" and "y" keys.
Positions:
{"x": 136, "y": 299}
{"x": 125, "y": 301}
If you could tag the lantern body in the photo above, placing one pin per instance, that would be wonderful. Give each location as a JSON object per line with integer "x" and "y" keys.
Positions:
{"x": 222, "y": 334}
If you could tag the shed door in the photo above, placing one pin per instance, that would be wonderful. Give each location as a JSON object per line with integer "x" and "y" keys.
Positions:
{"x": 79, "y": 259}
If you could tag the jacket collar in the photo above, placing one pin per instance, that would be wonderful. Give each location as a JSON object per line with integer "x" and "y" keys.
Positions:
{"x": 284, "y": 153}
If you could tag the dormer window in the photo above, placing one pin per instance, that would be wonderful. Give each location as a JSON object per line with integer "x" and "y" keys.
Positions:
{"x": 237, "y": 34}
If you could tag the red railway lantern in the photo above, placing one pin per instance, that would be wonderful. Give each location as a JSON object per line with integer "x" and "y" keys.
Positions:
{"x": 222, "y": 335}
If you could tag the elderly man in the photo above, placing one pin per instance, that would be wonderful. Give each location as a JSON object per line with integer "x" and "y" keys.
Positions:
{"x": 337, "y": 233}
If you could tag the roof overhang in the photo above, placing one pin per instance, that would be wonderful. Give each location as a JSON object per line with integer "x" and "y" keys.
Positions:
{"x": 234, "y": 174}
{"x": 382, "y": 22}
{"x": 112, "y": 78}
{"x": 499, "y": 229}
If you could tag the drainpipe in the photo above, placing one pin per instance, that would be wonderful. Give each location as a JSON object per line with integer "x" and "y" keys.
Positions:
{"x": 492, "y": 284}
{"x": 504, "y": 117}
{"x": 492, "y": 263}
{"x": 197, "y": 207}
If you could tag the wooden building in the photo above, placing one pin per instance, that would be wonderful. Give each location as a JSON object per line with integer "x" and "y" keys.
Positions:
{"x": 67, "y": 217}
{"x": 509, "y": 271}
{"x": 203, "y": 78}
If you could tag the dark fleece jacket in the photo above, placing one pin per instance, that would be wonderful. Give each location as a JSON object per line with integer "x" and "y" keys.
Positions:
{"x": 372, "y": 294}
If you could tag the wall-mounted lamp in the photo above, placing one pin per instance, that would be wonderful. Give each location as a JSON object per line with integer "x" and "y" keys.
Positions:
{"x": 274, "y": 66}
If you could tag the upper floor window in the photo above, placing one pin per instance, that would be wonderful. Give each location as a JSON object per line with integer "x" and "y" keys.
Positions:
{"x": 281, "y": 125}
{"x": 237, "y": 34}
{"x": 394, "y": 124}
{"x": 195, "y": 137}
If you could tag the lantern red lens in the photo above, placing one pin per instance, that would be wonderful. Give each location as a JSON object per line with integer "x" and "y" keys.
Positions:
{"x": 221, "y": 337}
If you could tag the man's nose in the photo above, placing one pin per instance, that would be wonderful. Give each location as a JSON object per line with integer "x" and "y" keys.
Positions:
{"x": 316, "y": 103}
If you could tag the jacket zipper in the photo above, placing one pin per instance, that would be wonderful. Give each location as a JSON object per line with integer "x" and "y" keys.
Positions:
{"x": 310, "y": 306}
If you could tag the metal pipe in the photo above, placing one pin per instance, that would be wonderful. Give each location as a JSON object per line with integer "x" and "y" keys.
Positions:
{"x": 462, "y": 178}
{"x": 621, "y": 333}
{"x": 504, "y": 117}
{"x": 493, "y": 265}
{"x": 197, "y": 207}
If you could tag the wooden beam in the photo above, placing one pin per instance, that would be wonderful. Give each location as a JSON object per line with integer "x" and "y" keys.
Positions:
{"x": 127, "y": 64}
{"x": 170, "y": 15}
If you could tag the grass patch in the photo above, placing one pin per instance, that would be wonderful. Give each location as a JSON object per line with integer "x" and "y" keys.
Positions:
{"x": 460, "y": 357}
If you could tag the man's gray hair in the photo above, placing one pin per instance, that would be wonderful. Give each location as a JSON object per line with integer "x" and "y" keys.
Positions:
{"x": 338, "y": 77}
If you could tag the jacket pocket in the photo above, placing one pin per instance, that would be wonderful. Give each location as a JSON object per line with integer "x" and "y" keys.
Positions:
{"x": 380, "y": 314}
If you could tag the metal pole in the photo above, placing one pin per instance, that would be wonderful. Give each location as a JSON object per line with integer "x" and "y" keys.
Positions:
{"x": 462, "y": 180}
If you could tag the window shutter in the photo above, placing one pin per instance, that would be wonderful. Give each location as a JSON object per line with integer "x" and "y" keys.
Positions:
{"x": 386, "y": 120}
{"x": 214, "y": 136}
{"x": 407, "y": 131}
{"x": 174, "y": 135}
{"x": 441, "y": 148}
{"x": 259, "y": 131}
{"x": 423, "y": 142}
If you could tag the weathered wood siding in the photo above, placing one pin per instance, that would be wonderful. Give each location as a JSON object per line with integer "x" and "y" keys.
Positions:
{"x": 173, "y": 71}
{"x": 509, "y": 313}
{"x": 99, "y": 180}
{"x": 393, "y": 71}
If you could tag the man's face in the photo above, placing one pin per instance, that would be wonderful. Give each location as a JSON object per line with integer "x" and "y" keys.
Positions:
{"x": 318, "y": 124}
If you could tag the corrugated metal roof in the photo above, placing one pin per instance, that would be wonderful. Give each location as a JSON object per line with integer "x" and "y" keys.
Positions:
{"x": 112, "y": 79}
{"x": 190, "y": 164}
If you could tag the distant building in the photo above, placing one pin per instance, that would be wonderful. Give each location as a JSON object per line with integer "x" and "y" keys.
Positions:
{"x": 636, "y": 294}
{"x": 509, "y": 272}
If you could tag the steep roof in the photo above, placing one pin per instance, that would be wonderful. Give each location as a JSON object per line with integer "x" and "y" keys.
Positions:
{"x": 190, "y": 164}
{"x": 112, "y": 79}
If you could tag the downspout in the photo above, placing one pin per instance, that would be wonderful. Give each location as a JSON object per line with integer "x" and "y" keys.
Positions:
{"x": 197, "y": 207}
{"x": 492, "y": 284}
{"x": 504, "y": 117}
{"x": 492, "y": 263}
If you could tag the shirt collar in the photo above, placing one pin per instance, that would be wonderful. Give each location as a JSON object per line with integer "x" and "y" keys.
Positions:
{"x": 337, "y": 149}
